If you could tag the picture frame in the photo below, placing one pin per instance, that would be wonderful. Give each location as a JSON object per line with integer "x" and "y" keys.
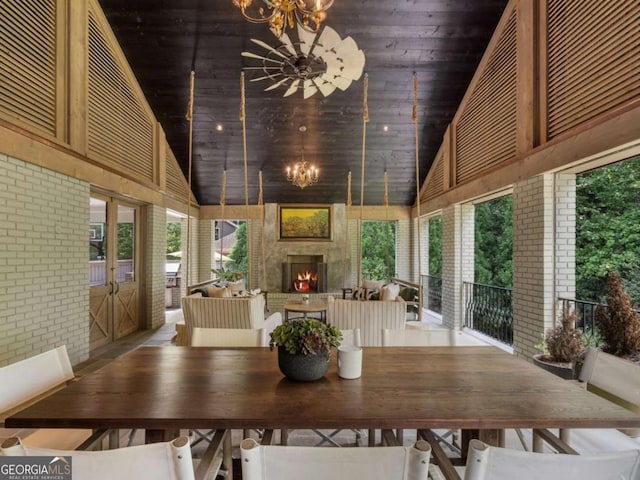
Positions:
{"x": 305, "y": 222}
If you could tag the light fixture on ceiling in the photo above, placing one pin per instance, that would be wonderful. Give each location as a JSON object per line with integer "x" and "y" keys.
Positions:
{"x": 283, "y": 14}
{"x": 314, "y": 63}
{"x": 301, "y": 174}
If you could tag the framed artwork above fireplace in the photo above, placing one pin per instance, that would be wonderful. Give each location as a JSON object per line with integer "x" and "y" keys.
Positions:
{"x": 305, "y": 222}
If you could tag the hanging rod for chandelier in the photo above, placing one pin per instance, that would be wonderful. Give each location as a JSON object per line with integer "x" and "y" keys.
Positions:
{"x": 283, "y": 14}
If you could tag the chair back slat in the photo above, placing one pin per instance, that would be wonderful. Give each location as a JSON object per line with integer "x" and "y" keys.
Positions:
{"x": 33, "y": 376}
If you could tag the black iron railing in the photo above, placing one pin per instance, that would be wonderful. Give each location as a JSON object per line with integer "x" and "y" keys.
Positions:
{"x": 489, "y": 310}
{"x": 432, "y": 293}
{"x": 586, "y": 321}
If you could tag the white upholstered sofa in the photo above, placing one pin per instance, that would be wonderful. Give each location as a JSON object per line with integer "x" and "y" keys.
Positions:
{"x": 369, "y": 316}
{"x": 227, "y": 312}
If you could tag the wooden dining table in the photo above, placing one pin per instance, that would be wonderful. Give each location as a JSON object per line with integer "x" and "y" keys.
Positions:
{"x": 163, "y": 389}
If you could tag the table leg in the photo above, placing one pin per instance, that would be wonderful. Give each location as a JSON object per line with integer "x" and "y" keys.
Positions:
{"x": 227, "y": 458}
{"x": 492, "y": 437}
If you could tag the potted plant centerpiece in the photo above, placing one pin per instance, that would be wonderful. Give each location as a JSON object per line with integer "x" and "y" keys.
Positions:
{"x": 304, "y": 348}
{"x": 562, "y": 345}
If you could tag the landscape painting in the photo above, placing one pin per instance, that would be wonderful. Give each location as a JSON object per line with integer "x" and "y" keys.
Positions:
{"x": 305, "y": 223}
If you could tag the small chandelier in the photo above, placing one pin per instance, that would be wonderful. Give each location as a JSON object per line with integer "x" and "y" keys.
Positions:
{"x": 283, "y": 14}
{"x": 302, "y": 174}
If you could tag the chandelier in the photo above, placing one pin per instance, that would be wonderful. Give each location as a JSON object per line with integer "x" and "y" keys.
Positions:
{"x": 283, "y": 14}
{"x": 302, "y": 174}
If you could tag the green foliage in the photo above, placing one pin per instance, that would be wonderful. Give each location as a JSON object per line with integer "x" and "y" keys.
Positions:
{"x": 240, "y": 254}
{"x": 620, "y": 324}
{"x": 378, "y": 249}
{"x": 435, "y": 247}
{"x": 174, "y": 237}
{"x": 494, "y": 242}
{"x": 608, "y": 229}
{"x": 307, "y": 336}
{"x": 126, "y": 239}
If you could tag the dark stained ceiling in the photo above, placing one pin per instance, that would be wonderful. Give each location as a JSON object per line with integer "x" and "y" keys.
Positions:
{"x": 441, "y": 40}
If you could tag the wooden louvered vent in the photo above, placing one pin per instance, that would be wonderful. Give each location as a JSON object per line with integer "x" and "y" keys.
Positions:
{"x": 28, "y": 62}
{"x": 176, "y": 184}
{"x": 486, "y": 129}
{"x": 120, "y": 130}
{"x": 593, "y": 59}
{"x": 435, "y": 180}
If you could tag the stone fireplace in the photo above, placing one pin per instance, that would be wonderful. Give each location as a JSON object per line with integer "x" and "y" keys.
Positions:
{"x": 304, "y": 274}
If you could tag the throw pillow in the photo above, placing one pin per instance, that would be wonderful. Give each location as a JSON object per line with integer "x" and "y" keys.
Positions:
{"x": 236, "y": 288}
{"x": 218, "y": 292}
{"x": 389, "y": 292}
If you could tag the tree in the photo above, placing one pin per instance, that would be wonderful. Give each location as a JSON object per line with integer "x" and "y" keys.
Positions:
{"x": 608, "y": 229}
{"x": 174, "y": 236}
{"x": 125, "y": 236}
{"x": 435, "y": 247}
{"x": 239, "y": 255}
{"x": 378, "y": 249}
{"x": 494, "y": 242}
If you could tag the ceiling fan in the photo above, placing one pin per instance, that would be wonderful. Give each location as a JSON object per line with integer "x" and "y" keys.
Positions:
{"x": 316, "y": 62}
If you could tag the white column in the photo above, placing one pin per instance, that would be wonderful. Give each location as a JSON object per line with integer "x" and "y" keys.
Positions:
{"x": 457, "y": 261}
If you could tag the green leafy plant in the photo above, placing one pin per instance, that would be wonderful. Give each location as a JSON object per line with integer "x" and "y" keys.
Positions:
{"x": 564, "y": 342}
{"x": 228, "y": 274}
{"x": 620, "y": 324}
{"x": 306, "y": 336}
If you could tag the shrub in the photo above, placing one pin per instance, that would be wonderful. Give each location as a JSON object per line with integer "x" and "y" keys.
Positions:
{"x": 620, "y": 324}
{"x": 564, "y": 342}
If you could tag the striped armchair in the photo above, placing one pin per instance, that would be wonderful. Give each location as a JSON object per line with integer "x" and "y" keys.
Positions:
{"x": 369, "y": 316}
{"x": 230, "y": 312}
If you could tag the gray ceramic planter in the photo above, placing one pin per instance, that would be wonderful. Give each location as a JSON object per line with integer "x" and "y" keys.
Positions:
{"x": 302, "y": 368}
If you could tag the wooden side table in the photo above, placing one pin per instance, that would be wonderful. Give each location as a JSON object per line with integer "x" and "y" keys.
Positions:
{"x": 314, "y": 306}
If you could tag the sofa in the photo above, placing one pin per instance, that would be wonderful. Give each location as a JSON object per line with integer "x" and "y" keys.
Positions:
{"x": 227, "y": 312}
{"x": 370, "y": 317}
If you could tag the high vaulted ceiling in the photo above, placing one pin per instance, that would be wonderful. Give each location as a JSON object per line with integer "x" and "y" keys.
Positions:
{"x": 442, "y": 41}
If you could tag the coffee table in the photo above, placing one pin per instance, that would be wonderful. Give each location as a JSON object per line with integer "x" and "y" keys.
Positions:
{"x": 297, "y": 306}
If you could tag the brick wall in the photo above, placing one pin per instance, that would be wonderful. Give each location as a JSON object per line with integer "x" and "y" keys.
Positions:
{"x": 533, "y": 262}
{"x": 565, "y": 188}
{"x": 154, "y": 250}
{"x": 457, "y": 261}
{"x": 44, "y": 290}
{"x": 206, "y": 238}
{"x": 193, "y": 254}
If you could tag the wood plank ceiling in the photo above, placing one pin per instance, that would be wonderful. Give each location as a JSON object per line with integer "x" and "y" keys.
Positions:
{"x": 441, "y": 40}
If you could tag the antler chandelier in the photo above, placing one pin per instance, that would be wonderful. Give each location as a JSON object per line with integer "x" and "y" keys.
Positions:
{"x": 302, "y": 174}
{"x": 283, "y": 14}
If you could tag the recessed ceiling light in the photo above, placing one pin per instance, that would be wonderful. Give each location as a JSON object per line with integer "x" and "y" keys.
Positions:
{"x": 219, "y": 127}
{"x": 385, "y": 128}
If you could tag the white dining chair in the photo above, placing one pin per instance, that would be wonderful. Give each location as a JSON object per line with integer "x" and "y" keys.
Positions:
{"x": 493, "y": 463}
{"x": 428, "y": 338}
{"x": 160, "y": 461}
{"x": 227, "y": 337}
{"x": 266, "y": 462}
{"x": 351, "y": 336}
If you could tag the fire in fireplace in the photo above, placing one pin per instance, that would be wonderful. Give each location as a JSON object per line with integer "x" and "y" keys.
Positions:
{"x": 306, "y": 281}
{"x": 304, "y": 274}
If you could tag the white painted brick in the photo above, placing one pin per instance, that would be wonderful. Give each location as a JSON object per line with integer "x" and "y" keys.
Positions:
{"x": 42, "y": 244}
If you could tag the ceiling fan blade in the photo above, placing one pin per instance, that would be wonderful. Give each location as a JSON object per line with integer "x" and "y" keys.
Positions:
{"x": 286, "y": 41}
{"x": 325, "y": 87}
{"x": 265, "y": 77}
{"x": 346, "y": 48}
{"x": 328, "y": 39}
{"x": 341, "y": 82}
{"x": 277, "y": 84}
{"x": 253, "y": 55}
{"x": 309, "y": 89}
{"x": 353, "y": 66}
{"x": 292, "y": 88}
{"x": 306, "y": 40}
{"x": 267, "y": 47}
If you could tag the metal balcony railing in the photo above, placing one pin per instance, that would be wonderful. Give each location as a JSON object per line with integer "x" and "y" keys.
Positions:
{"x": 489, "y": 310}
{"x": 432, "y": 293}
